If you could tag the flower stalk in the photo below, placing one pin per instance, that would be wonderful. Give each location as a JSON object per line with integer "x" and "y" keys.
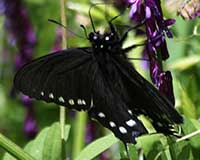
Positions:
{"x": 64, "y": 46}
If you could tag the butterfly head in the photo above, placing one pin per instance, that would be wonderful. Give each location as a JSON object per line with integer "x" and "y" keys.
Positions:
{"x": 104, "y": 41}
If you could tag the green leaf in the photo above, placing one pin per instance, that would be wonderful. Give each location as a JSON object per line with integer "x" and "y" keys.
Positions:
{"x": 187, "y": 105}
{"x": 35, "y": 147}
{"x": 48, "y": 144}
{"x": 153, "y": 146}
{"x": 132, "y": 150}
{"x": 189, "y": 126}
{"x": 67, "y": 129}
{"x": 181, "y": 150}
{"x": 53, "y": 143}
{"x": 97, "y": 147}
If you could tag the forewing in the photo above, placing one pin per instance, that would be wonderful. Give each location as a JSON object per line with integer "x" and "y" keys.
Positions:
{"x": 109, "y": 108}
{"x": 144, "y": 98}
{"x": 63, "y": 77}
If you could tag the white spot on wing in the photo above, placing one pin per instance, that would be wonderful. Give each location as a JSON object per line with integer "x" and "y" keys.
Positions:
{"x": 71, "y": 101}
{"x": 61, "y": 99}
{"x": 102, "y": 115}
{"x": 42, "y": 93}
{"x": 51, "y": 95}
{"x": 91, "y": 103}
{"x": 79, "y": 101}
{"x": 101, "y": 46}
{"x": 112, "y": 124}
{"x": 122, "y": 130}
{"x": 131, "y": 123}
{"x": 83, "y": 102}
{"x": 130, "y": 112}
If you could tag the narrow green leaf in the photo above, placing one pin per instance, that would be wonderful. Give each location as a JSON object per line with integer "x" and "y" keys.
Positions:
{"x": 13, "y": 149}
{"x": 132, "y": 151}
{"x": 187, "y": 105}
{"x": 97, "y": 147}
{"x": 185, "y": 63}
{"x": 8, "y": 156}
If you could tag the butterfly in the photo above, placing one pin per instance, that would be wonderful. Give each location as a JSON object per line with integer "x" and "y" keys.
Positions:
{"x": 100, "y": 80}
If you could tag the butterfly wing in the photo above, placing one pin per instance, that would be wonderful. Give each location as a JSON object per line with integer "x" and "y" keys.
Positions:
{"x": 109, "y": 108}
{"x": 62, "y": 77}
{"x": 144, "y": 98}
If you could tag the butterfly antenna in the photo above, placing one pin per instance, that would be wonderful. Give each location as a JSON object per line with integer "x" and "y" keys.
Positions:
{"x": 84, "y": 29}
{"x": 91, "y": 20}
{"x": 60, "y": 24}
{"x": 90, "y": 15}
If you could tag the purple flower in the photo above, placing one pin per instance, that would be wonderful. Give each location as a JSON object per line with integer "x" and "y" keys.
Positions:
{"x": 137, "y": 10}
{"x": 20, "y": 30}
{"x": 21, "y": 35}
{"x": 156, "y": 49}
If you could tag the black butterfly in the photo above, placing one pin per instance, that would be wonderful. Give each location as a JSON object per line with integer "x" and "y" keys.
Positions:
{"x": 100, "y": 80}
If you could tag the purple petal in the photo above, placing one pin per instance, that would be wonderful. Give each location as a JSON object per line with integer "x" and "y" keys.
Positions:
{"x": 170, "y": 22}
{"x": 155, "y": 70}
{"x": 147, "y": 12}
{"x": 133, "y": 10}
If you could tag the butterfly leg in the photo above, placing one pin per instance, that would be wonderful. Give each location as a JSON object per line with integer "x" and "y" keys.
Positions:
{"x": 130, "y": 29}
{"x": 142, "y": 44}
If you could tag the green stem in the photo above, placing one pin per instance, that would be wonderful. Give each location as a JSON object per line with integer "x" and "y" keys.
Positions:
{"x": 79, "y": 133}
{"x": 64, "y": 45}
{"x": 13, "y": 149}
{"x": 188, "y": 136}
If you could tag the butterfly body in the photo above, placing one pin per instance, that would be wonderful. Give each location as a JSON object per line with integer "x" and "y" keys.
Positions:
{"x": 100, "y": 80}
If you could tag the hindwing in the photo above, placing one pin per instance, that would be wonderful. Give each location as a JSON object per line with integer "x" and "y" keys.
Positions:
{"x": 143, "y": 98}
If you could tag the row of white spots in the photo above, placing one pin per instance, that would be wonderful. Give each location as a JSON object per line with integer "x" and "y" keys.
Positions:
{"x": 70, "y": 101}
{"x": 122, "y": 129}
